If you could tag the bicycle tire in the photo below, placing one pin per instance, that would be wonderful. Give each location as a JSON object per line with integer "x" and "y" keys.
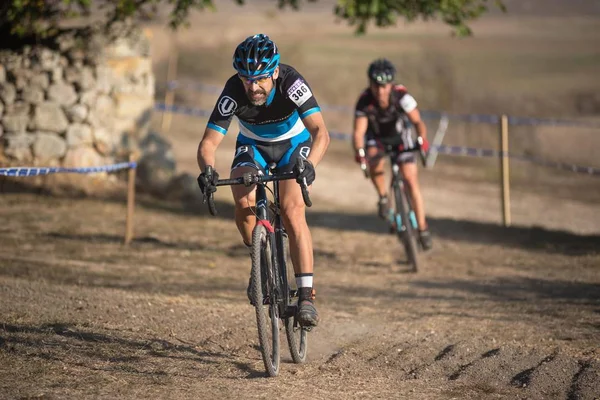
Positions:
{"x": 268, "y": 332}
{"x": 406, "y": 233}
{"x": 297, "y": 337}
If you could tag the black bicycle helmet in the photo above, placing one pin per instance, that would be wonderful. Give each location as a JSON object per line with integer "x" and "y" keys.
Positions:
{"x": 381, "y": 71}
{"x": 256, "y": 56}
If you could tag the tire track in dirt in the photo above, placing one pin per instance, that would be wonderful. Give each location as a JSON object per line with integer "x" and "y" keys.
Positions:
{"x": 500, "y": 369}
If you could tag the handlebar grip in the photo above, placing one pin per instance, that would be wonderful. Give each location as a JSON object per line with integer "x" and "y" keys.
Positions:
{"x": 305, "y": 195}
{"x": 211, "y": 196}
{"x": 422, "y": 154}
{"x": 303, "y": 185}
{"x": 211, "y": 204}
{"x": 423, "y": 157}
{"x": 365, "y": 170}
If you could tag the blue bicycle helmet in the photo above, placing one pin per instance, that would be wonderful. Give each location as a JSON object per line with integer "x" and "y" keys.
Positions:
{"x": 255, "y": 57}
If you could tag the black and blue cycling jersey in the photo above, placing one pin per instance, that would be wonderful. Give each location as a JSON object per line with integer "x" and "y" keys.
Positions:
{"x": 272, "y": 132}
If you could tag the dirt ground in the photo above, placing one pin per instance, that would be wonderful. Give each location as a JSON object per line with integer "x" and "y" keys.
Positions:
{"x": 494, "y": 312}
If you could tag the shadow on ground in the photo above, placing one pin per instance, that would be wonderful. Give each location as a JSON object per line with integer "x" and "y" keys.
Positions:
{"x": 534, "y": 238}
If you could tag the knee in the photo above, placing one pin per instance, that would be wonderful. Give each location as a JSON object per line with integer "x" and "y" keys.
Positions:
{"x": 243, "y": 202}
{"x": 293, "y": 215}
{"x": 412, "y": 181}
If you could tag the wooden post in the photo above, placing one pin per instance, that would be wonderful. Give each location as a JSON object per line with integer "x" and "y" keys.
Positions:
{"x": 170, "y": 93}
{"x": 505, "y": 170}
{"x": 130, "y": 202}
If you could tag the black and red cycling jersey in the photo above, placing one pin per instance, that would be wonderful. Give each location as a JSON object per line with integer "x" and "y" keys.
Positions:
{"x": 389, "y": 122}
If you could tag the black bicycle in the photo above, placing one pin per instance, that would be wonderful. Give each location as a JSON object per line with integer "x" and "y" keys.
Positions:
{"x": 401, "y": 218}
{"x": 273, "y": 290}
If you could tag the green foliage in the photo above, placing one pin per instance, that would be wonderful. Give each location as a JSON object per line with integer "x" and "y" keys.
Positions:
{"x": 40, "y": 17}
{"x": 456, "y": 13}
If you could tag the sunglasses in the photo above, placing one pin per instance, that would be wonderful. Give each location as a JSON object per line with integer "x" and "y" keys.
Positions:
{"x": 250, "y": 80}
{"x": 382, "y": 79}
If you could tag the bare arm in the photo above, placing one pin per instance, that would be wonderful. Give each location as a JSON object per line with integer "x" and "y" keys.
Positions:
{"x": 316, "y": 126}
{"x": 415, "y": 118}
{"x": 208, "y": 147}
{"x": 361, "y": 123}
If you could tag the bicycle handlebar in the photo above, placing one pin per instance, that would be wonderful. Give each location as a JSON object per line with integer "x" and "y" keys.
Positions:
{"x": 304, "y": 185}
{"x": 416, "y": 148}
{"x": 249, "y": 179}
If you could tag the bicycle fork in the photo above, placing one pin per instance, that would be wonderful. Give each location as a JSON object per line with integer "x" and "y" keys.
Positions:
{"x": 395, "y": 216}
{"x": 278, "y": 275}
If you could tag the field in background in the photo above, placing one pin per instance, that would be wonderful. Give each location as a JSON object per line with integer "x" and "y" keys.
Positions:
{"x": 494, "y": 313}
{"x": 522, "y": 64}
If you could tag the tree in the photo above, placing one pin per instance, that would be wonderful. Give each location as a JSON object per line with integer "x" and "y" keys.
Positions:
{"x": 40, "y": 17}
{"x": 456, "y": 13}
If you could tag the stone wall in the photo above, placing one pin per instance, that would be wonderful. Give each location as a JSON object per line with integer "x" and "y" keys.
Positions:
{"x": 83, "y": 98}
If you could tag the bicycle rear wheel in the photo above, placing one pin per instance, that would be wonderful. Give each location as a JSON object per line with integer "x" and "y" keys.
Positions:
{"x": 405, "y": 230}
{"x": 297, "y": 337}
{"x": 267, "y": 315}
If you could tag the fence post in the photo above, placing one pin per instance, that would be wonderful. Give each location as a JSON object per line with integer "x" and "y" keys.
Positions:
{"x": 505, "y": 170}
{"x": 170, "y": 93}
{"x": 130, "y": 201}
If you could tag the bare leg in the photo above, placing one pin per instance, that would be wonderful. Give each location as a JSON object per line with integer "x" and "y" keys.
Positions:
{"x": 294, "y": 220}
{"x": 376, "y": 165}
{"x": 409, "y": 170}
{"x": 245, "y": 199}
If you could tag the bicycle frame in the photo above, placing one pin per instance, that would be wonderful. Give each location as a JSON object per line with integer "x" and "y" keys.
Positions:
{"x": 276, "y": 231}
{"x": 402, "y": 218}
{"x": 398, "y": 180}
{"x": 268, "y": 237}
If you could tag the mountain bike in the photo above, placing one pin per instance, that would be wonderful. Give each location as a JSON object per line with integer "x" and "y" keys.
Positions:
{"x": 401, "y": 218}
{"x": 273, "y": 291}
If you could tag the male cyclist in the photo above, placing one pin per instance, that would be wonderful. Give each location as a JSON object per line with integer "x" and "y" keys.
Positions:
{"x": 279, "y": 120}
{"x": 383, "y": 115}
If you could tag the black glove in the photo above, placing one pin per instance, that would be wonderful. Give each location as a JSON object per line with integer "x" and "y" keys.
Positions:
{"x": 308, "y": 172}
{"x": 208, "y": 183}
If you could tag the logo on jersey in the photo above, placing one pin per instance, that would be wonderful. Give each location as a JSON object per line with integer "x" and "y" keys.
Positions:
{"x": 299, "y": 92}
{"x": 304, "y": 152}
{"x": 241, "y": 150}
{"x": 227, "y": 106}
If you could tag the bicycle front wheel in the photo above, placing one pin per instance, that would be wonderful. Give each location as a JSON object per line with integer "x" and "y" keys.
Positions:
{"x": 406, "y": 232}
{"x": 267, "y": 314}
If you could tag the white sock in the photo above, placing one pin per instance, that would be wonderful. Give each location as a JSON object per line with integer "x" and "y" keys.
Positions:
{"x": 304, "y": 280}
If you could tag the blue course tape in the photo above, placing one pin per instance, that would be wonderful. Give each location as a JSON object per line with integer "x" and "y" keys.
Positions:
{"x": 476, "y": 152}
{"x": 36, "y": 171}
{"x": 196, "y": 86}
{"x": 195, "y": 112}
{"x": 473, "y": 118}
{"x": 442, "y": 149}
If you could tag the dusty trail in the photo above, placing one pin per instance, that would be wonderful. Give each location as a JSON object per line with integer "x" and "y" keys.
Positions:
{"x": 493, "y": 314}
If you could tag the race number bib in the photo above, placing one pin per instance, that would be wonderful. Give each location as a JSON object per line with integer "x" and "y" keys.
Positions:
{"x": 299, "y": 92}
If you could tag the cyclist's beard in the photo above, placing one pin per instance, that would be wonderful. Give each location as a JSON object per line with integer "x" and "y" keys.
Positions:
{"x": 257, "y": 97}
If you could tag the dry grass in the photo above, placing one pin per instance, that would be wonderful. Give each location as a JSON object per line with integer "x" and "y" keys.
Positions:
{"x": 522, "y": 65}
